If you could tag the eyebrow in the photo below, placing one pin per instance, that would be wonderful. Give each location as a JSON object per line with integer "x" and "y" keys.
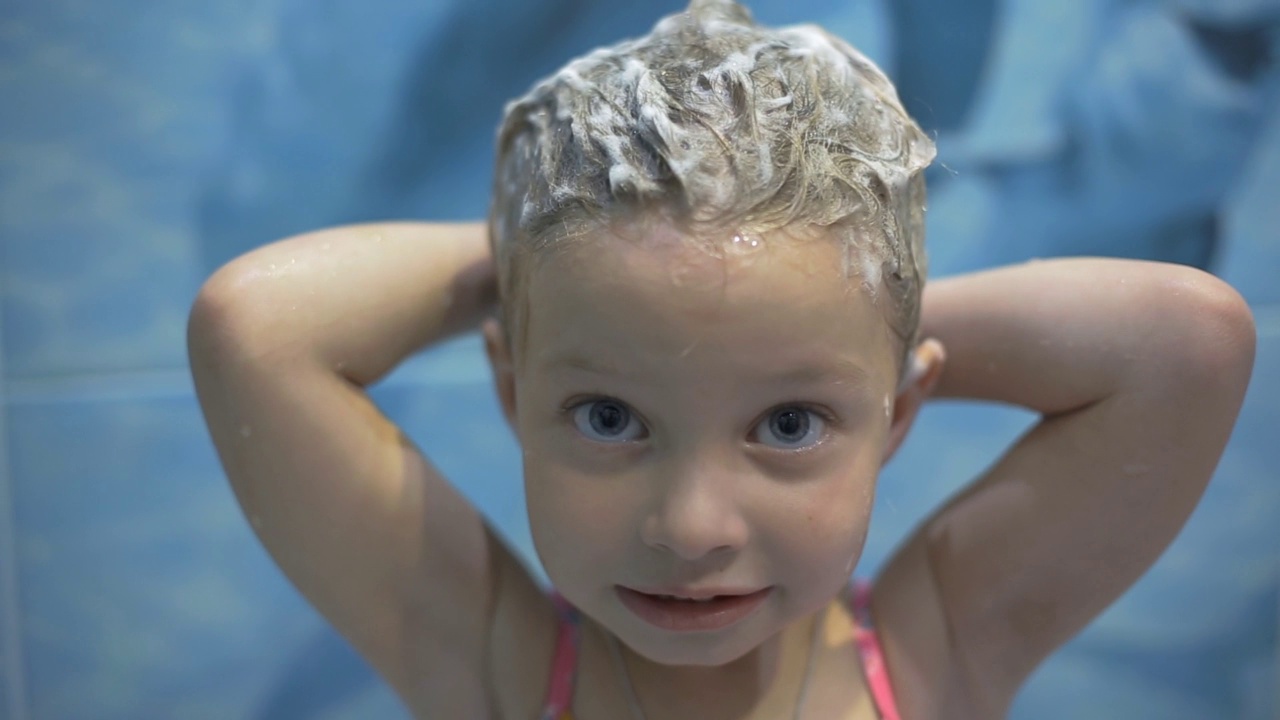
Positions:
{"x": 837, "y": 371}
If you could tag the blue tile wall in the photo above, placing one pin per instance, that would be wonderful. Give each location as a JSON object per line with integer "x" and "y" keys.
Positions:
{"x": 141, "y": 590}
{"x": 12, "y": 683}
{"x": 143, "y": 146}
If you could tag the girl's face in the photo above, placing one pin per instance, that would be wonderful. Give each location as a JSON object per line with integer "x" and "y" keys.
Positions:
{"x": 690, "y": 421}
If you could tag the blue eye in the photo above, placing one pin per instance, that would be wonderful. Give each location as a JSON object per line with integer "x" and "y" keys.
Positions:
{"x": 792, "y": 425}
{"x": 604, "y": 420}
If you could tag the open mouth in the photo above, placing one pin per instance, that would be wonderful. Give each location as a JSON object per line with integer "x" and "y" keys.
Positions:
{"x": 678, "y": 614}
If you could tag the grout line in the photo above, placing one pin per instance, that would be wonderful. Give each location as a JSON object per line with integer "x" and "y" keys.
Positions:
{"x": 15, "y": 677}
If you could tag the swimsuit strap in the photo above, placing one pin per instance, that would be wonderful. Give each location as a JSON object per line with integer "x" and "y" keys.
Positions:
{"x": 564, "y": 667}
{"x": 871, "y": 652}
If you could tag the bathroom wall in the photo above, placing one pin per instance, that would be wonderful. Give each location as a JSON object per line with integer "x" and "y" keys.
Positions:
{"x": 145, "y": 143}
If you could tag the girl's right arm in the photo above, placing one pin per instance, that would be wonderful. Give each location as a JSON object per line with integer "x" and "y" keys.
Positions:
{"x": 282, "y": 342}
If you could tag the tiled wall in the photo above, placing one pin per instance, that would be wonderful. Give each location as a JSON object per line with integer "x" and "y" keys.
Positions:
{"x": 148, "y": 146}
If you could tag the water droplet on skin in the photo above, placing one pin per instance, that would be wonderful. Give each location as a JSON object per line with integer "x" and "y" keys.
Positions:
{"x": 245, "y": 431}
{"x": 1136, "y": 469}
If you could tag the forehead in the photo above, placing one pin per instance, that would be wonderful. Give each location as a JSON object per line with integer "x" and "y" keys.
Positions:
{"x": 767, "y": 305}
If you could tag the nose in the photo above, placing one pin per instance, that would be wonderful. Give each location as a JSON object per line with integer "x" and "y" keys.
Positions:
{"x": 697, "y": 513}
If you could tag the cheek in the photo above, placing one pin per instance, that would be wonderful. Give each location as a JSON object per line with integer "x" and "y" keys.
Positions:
{"x": 576, "y": 522}
{"x": 830, "y": 538}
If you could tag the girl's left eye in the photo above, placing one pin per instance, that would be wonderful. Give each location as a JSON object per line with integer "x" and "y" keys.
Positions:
{"x": 792, "y": 425}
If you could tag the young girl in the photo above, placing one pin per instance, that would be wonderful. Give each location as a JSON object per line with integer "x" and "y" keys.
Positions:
{"x": 701, "y": 296}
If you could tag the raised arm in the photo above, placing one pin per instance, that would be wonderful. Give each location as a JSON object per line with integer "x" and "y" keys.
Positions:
{"x": 1138, "y": 370}
{"x": 282, "y": 342}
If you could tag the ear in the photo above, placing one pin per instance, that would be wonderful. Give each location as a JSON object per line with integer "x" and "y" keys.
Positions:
{"x": 504, "y": 379}
{"x": 924, "y": 368}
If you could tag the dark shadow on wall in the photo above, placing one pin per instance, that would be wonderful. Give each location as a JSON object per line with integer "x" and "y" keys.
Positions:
{"x": 941, "y": 50}
{"x": 1242, "y": 51}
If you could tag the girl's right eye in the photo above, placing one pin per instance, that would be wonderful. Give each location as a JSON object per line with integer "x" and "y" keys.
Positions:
{"x": 605, "y": 421}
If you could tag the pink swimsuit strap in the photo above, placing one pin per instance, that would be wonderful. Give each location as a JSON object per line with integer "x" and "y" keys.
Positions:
{"x": 872, "y": 654}
{"x": 564, "y": 666}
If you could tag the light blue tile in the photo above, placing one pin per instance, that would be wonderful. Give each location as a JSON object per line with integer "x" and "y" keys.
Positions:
{"x": 12, "y": 698}
{"x": 12, "y": 667}
{"x": 1037, "y": 48}
{"x": 103, "y": 149}
{"x": 145, "y": 594}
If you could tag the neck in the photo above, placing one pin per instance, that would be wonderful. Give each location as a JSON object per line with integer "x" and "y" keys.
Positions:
{"x": 764, "y": 683}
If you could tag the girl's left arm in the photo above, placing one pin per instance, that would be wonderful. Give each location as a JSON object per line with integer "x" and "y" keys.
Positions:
{"x": 1138, "y": 370}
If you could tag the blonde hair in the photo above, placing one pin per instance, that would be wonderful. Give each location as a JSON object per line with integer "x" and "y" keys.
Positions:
{"x": 715, "y": 123}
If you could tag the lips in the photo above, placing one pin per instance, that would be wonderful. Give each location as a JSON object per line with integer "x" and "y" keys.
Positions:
{"x": 692, "y": 611}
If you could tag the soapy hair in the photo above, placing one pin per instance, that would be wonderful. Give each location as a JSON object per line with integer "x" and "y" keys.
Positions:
{"x": 716, "y": 124}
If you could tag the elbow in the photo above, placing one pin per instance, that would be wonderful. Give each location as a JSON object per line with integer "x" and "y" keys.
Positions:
{"x": 219, "y": 318}
{"x": 1228, "y": 326}
{"x": 1213, "y": 327}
